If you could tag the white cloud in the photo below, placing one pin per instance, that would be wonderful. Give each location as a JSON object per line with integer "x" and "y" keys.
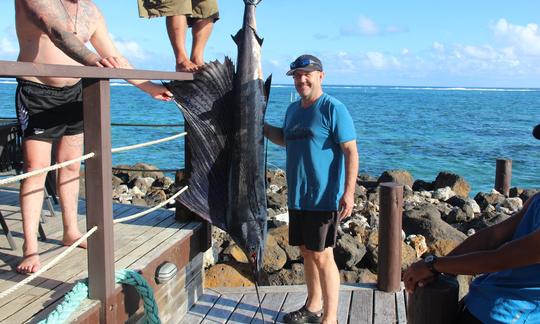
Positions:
{"x": 379, "y": 61}
{"x": 405, "y": 51}
{"x": 438, "y": 47}
{"x": 525, "y": 38}
{"x": 367, "y": 26}
{"x": 130, "y": 49}
{"x": 7, "y": 47}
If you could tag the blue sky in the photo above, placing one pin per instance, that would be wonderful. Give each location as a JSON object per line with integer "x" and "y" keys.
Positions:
{"x": 458, "y": 43}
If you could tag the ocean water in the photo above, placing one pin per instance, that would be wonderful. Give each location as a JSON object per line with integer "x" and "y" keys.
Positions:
{"x": 420, "y": 129}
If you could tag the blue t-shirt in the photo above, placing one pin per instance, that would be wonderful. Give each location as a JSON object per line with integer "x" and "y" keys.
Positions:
{"x": 315, "y": 161}
{"x": 513, "y": 295}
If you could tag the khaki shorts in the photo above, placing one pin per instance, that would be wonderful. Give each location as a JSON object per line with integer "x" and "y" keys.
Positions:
{"x": 194, "y": 9}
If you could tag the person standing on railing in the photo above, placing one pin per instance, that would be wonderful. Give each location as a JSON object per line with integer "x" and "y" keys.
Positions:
{"x": 50, "y": 108}
{"x": 200, "y": 15}
{"x": 507, "y": 258}
{"x": 322, "y": 165}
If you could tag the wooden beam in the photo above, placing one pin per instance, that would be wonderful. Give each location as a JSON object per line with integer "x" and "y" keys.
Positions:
{"x": 18, "y": 69}
{"x": 99, "y": 211}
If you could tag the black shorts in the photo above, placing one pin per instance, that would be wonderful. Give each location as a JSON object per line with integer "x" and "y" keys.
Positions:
{"x": 316, "y": 230}
{"x": 48, "y": 113}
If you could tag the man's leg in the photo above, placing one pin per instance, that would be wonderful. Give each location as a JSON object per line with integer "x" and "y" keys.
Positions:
{"x": 313, "y": 282}
{"x": 329, "y": 281}
{"x": 201, "y": 30}
{"x": 176, "y": 28}
{"x": 69, "y": 147}
{"x": 37, "y": 155}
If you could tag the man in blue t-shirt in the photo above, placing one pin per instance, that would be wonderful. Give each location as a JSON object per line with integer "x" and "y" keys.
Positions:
{"x": 508, "y": 257}
{"x": 322, "y": 165}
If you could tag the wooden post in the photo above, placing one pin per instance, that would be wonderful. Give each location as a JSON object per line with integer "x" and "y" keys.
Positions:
{"x": 503, "y": 175}
{"x": 97, "y": 139}
{"x": 390, "y": 214}
{"x": 434, "y": 303}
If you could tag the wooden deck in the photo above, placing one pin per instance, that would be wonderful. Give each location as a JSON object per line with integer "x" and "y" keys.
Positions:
{"x": 135, "y": 243}
{"x": 358, "y": 304}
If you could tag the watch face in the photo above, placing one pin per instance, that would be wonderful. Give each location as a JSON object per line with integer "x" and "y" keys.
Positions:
{"x": 429, "y": 259}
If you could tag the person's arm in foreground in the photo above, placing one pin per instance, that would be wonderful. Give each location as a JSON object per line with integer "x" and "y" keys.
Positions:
{"x": 104, "y": 45}
{"x": 274, "y": 134}
{"x": 487, "y": 251}
{"x": 346, "y": 203}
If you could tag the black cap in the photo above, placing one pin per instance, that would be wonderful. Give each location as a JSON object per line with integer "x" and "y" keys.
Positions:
{"x": 536, "y": 131}
{"x": 305, "y": 62}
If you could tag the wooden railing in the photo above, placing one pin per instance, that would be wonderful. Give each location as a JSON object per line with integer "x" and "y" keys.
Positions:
{"x": 96, "y": 106}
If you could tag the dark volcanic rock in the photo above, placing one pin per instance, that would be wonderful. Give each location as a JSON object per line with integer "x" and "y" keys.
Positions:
{"x": 426, "y": 220}
{"x": 348, "y": 252}
{"x": 399, "y": 176}
{"x": 454, "y": 181}
{"x": 485, "y": 199}
{"x": 421, "y": 185}
{"x": 527, "y": 193}
{"x": 293, "y": 276}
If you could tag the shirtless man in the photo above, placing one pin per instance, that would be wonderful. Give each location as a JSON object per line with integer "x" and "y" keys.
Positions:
{"x": 50, "y": 109}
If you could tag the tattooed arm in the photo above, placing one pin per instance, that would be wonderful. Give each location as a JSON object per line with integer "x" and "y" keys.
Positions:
{"x": 104, "y": 45}
{"x": 51, "y": 18}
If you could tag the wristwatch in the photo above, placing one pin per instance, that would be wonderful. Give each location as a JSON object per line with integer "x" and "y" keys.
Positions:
{"x": 430, "y": 260}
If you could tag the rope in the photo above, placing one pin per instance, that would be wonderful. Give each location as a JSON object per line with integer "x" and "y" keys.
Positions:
{"x": 131, "y": 147}
{"x": 51, "y": 168}
{"x": 125, "y": 219}
{"x": 132, "y": 278}
{"x": 148, "y": 125}
{"x": 75, "y": 297}
{"x": 50, "y": 264}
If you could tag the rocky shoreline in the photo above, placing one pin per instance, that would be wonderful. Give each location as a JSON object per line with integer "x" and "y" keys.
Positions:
{"x": 437, "y": 216}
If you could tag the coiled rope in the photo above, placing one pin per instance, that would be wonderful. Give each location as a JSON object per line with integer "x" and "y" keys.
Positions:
{"x": 75, "y": 297}
{"x": 50, "y": 264}
{"x": 171, "y": 199}
{"x": 131, "y": 147}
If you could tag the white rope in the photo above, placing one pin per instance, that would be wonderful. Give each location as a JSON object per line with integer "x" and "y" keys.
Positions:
{"x": 39, "y": 171}
{"x": 50, "y": 264}
{"x": 131, "y": 147}
{"x": 125, "y": 219}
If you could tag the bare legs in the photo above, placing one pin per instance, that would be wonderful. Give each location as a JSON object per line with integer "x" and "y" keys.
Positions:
{"x": 322, "y": 280}
{"x": 36, "y": 156}
{"x": 176, "y": 28}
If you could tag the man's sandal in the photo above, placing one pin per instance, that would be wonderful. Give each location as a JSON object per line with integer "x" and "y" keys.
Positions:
{"x": 303, "y": 316}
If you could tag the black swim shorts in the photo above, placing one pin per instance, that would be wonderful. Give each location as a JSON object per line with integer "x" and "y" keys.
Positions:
{"x": 316, "y": 230}
{"x": 48, "y": 113}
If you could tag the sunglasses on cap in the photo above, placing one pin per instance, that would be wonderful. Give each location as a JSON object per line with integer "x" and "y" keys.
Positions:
{"x": 298, "y": 64}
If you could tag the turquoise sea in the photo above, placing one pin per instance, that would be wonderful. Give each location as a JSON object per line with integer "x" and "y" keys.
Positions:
{"x": 420, "y": 129}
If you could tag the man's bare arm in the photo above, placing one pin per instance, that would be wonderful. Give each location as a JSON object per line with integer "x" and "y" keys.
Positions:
{"x": 274, "y": 134}
{"x": 346, "y": 203}
{"x": 51, "y": 18}
{"x": 492, "y": 237}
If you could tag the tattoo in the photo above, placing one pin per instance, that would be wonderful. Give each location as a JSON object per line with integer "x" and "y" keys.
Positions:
{"x": 50, "y": 16}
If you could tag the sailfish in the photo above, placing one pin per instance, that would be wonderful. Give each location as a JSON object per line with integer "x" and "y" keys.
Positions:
{"x": 224, "y": 117}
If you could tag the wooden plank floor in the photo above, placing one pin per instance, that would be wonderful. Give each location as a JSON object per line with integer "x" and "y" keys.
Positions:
{"x": 134, "y": 240}
{"x": 358, "y": 304}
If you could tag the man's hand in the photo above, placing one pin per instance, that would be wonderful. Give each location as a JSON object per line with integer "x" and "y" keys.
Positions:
{"x": 115, "y": 62}
{"x": 346, "y": 204}
{"x": 418, "y": 274}
{"x": 156, "y": 91}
